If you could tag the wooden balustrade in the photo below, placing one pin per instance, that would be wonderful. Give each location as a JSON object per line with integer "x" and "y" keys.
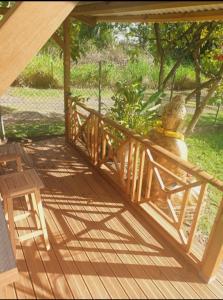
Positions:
{"x": 131, "y": 161}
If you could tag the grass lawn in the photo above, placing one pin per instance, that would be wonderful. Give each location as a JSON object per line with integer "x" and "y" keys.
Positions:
{"x": 26, "y": 92}
{"x": 206, "y": 150}
{"x": 206, "y": 144}
{"x": 34, "y": 130}
{"x": 35, "y": 93}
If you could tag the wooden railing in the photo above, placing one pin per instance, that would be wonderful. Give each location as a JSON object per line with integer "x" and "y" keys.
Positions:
{"x": 172, "y": 203}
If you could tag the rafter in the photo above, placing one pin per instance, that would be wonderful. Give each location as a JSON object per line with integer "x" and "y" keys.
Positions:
{"x": 112, "y": 7}
{"x": 164, "y": 18}
{"x": 85, "y": 19}
{"x": 58, "y": 40}
{"x": 91, "y": 21}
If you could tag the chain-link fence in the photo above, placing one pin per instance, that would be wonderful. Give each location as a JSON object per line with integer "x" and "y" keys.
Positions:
{"x": 34, "y": 105}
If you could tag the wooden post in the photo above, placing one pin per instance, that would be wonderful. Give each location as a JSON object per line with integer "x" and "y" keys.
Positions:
{"x": 99, "y": 87}
{"x": 213, "y": 254}
{"x": 67, "y": 59}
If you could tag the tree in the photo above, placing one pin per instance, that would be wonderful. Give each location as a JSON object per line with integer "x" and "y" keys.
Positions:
{"x": 206, "y": 62}
{"x": 101, "y": 36}
{"x": 199, "y": 42}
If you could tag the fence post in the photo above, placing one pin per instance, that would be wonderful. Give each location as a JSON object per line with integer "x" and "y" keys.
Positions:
{"x": 67, "y": 58}
{"x": 99, "y": 87}
{"x": 213, "y": 254}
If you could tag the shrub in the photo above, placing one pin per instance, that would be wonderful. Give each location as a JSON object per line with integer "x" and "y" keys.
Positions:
{"x": 130, "y": 106}
{"x": 184, "y": 83}
{"x": 185, "y": 78}
{"x": 39, "y": 80}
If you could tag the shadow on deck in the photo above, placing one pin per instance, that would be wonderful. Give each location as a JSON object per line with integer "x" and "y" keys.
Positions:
{"x": 100, "y": 247}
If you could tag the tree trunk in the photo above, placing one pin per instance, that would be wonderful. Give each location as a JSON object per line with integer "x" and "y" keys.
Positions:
{"x": 197, "y": 75}
{"x": 160, "y": 54}
{"x": 211, "y": 91}
{"x": 194, "y": 120}
{"x": 200, "y": 109}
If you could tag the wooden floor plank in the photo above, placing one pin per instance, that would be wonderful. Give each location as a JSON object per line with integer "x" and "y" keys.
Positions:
{"x": 194, "y": 290}
{"x": 39, "y": 278}
{"x": 100, "y": 246}
{"x": 166, "y": 287}
{"x": 79, "y": 191}
{"x": 142, "y": 282}
{"x": 8, "y": 292}
{"x": 148, "y": 287}
{"x": 182, "y": 271}
{"x": 52, "y": 267}
{"x": 90, "y": 280}
{"x": 109, "y": 281}
{"x": 23, "y": 287}
{"x": 61, "y": 239}
{"x": 110, "y": 268}
{"x": 219, "y": 276}
{"x": 112, "y": 284}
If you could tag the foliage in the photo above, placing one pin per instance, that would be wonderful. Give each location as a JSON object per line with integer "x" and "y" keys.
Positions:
{"x": 217, "y": 98}
{"x": 39, "y": 80}
{"x": 7, "y": 3}
{"x": 201, "y": 44}
{"x": 100, "y": 35}
{"x": 25, "y": 130}
{"x": 130, "y": 106}
{"x": 44, "y": 71}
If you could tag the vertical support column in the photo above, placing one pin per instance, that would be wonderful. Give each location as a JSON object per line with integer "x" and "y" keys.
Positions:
{"x": 99, "y": 87}
{"x": 67, "y": 61}
{"x": 213, "y": 254}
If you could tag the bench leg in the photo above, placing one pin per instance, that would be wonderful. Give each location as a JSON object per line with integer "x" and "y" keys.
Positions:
{"x": 11, "y": 223}
{"x": 5, "y": 209}
{"x": 35, "y": 210}
{"x": 28, "y": 202}
{"x": 42, "y": 218}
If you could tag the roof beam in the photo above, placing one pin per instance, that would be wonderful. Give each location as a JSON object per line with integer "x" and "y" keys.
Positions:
{"x": 164, "y": 18}
{"x": 112, "y": 7}
{"x": 85, "y": 19}
{"x": 23, "y": 32}
{"x": 3, "y": 10}
{"x": 91, "y": 21}
{"x": 58, "y": 40}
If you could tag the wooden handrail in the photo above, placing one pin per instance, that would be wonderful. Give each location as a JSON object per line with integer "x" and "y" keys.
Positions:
{"x": 185, "y": 165}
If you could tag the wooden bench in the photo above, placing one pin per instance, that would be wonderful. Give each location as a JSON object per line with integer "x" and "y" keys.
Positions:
{"x": 8, "y": 269}
{"x": 14, "y": 152}
{"x": 24, "y": 184}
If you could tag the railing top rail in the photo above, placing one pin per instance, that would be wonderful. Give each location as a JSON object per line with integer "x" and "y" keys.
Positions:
{"x": 185, "y": 165}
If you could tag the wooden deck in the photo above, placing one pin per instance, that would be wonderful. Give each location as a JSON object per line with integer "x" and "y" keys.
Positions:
{"x": 100, "y": 247}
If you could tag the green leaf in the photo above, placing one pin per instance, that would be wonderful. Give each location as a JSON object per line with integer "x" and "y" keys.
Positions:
{"x": 152, "y": 100}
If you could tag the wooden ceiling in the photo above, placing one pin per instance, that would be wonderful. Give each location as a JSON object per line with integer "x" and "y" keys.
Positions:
{"x": 148, "y": 11}
{"x": 92, "y": 12}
